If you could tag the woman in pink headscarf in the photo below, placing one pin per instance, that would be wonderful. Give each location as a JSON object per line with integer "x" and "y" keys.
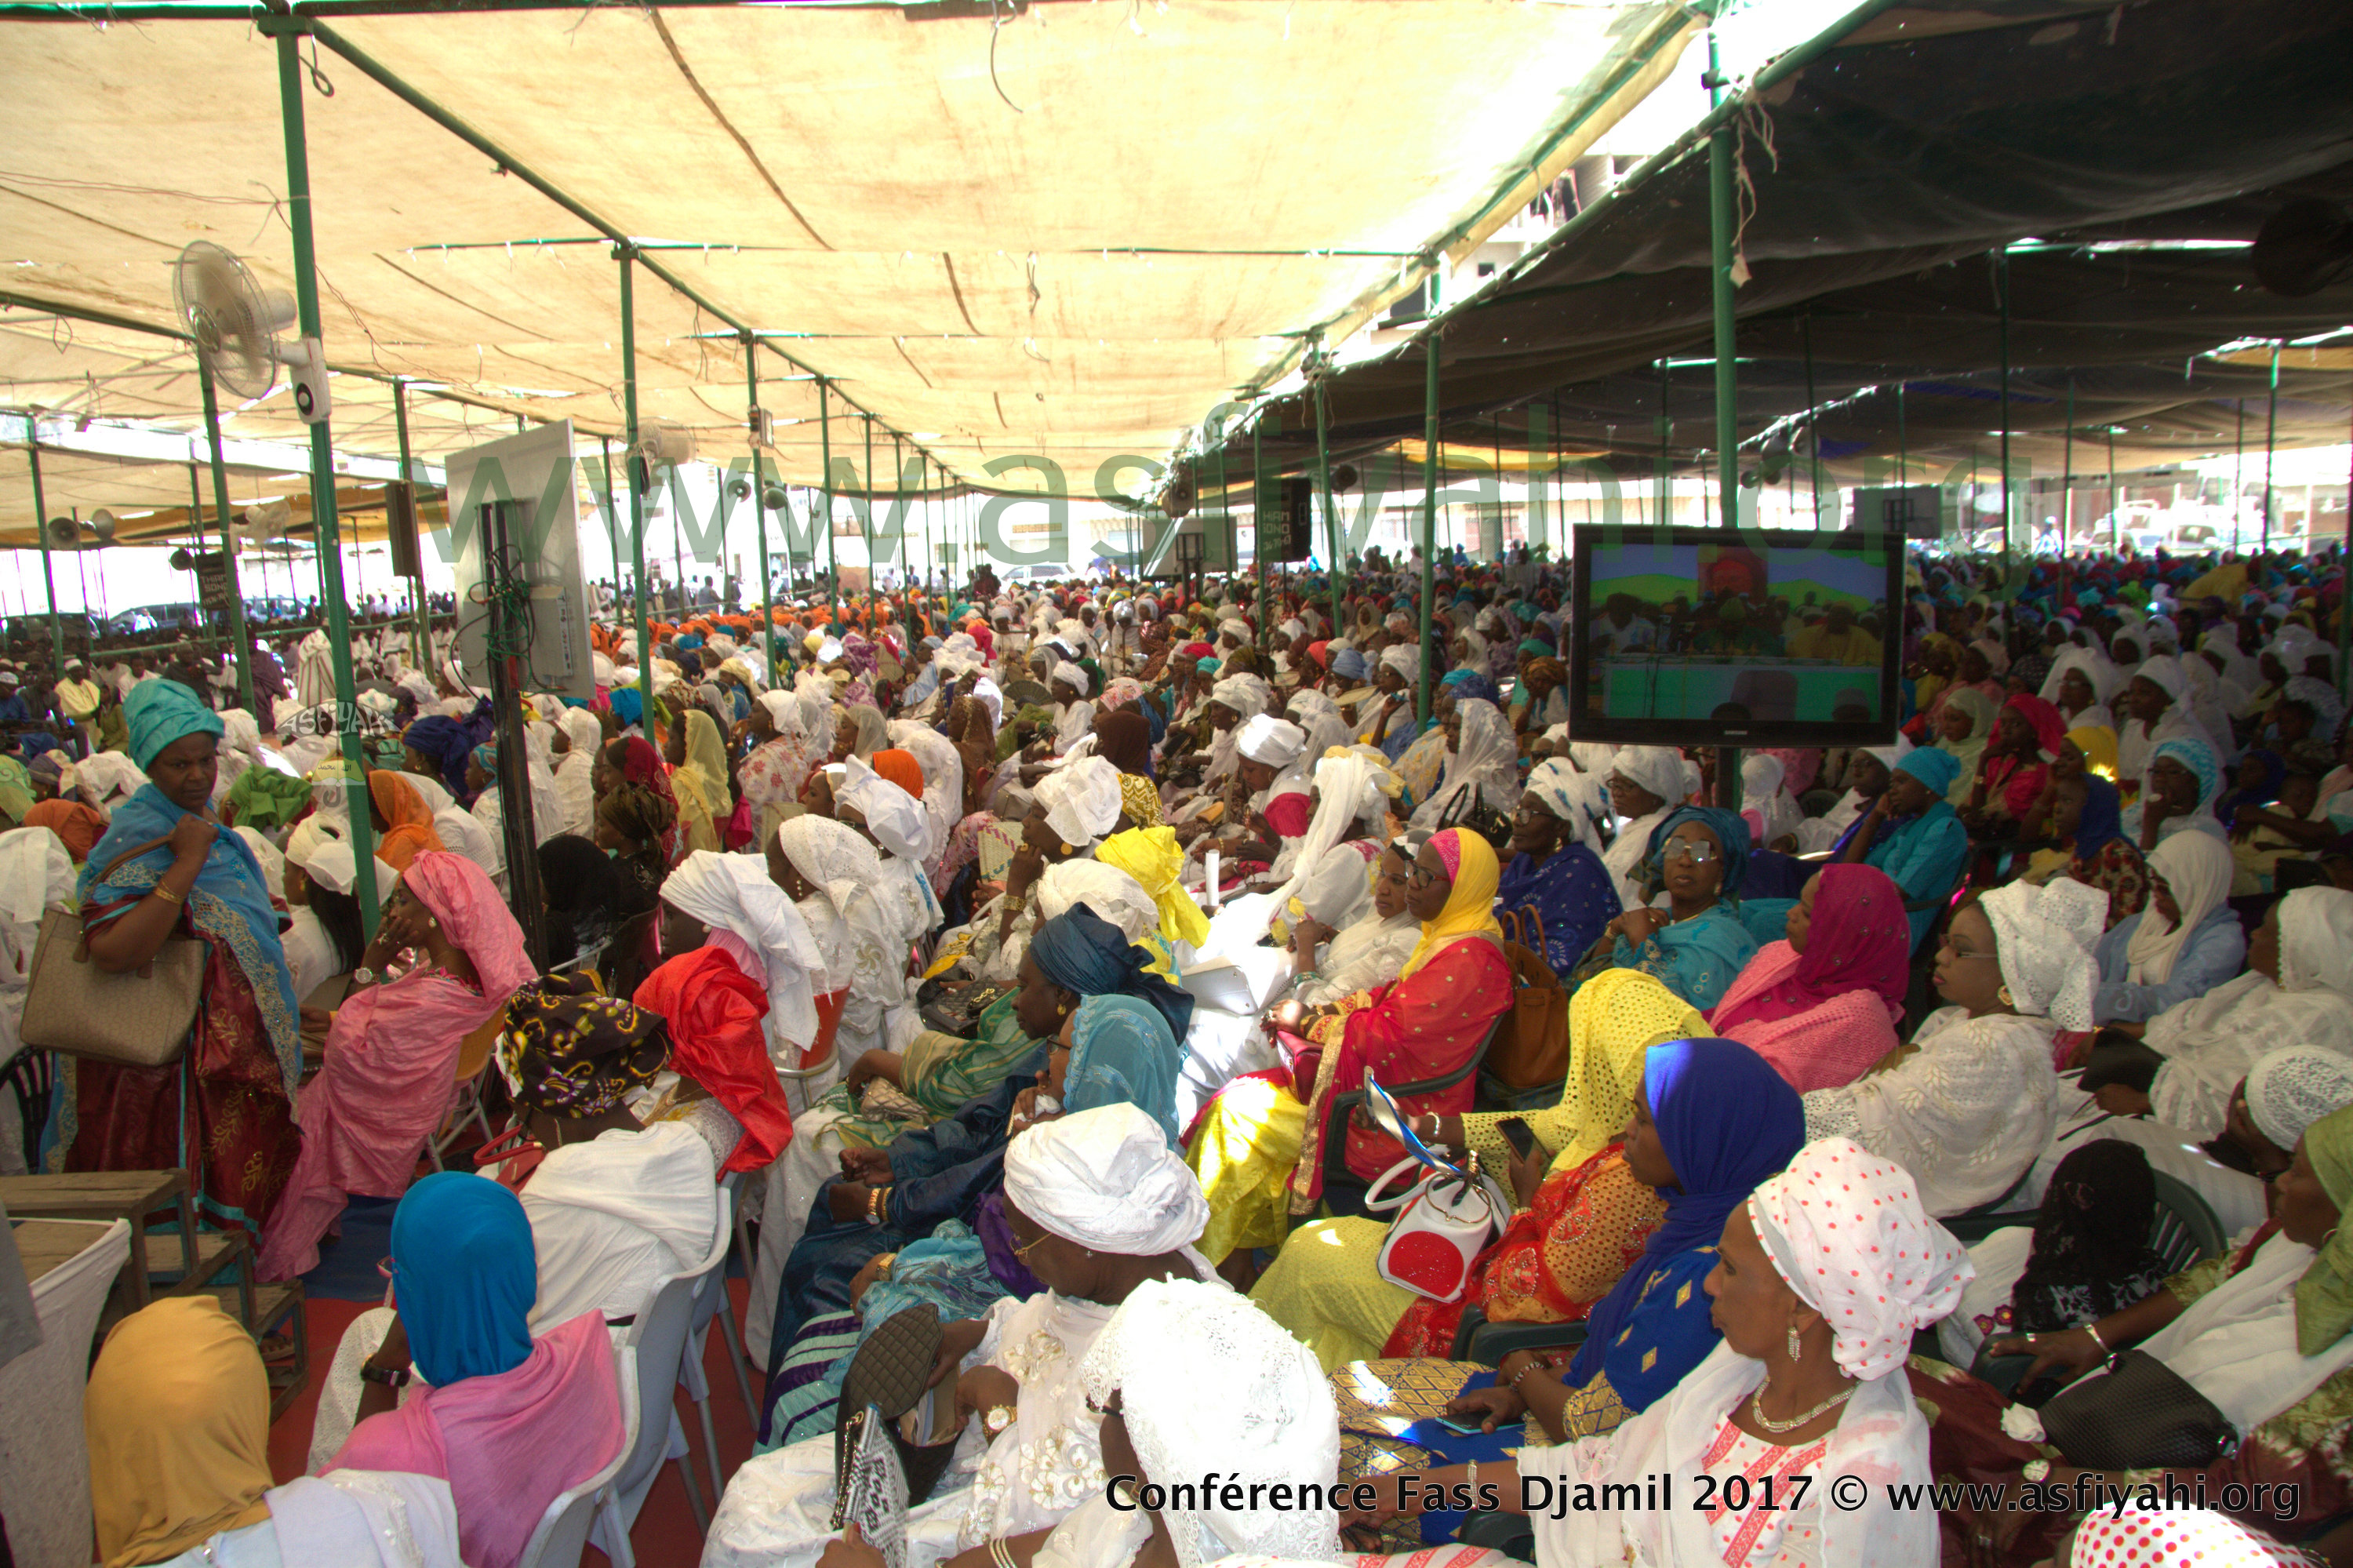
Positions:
{"x": 392, "y": 1055}
{"x": 1821, "y": 1006}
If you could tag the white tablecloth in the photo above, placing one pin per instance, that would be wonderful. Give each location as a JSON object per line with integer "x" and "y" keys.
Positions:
{"x": 44, "y": 1457}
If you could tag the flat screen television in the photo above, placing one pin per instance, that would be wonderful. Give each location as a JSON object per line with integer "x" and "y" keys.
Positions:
{"x": 1710, "y": 637}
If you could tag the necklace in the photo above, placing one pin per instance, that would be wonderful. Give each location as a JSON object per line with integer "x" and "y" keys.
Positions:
{"x": 1756, "y": 1409}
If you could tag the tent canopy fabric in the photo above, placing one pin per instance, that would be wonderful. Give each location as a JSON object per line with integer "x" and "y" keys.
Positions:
{"x": 1062, "y": 230}
{"x": 1884, "y": 175}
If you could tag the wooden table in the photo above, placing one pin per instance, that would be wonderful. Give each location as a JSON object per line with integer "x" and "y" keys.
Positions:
{"x": 44, "y": 1244}
{"x": 131, "y": 1195}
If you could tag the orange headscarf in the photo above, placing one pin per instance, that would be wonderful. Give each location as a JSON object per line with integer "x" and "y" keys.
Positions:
{"x": 76, "y": 824}
{"x": 409, "y": 826}
{"x": 902, "y": 768}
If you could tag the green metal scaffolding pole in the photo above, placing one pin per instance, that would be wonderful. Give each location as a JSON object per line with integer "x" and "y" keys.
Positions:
{"x": 825, "y": 462}
{"x": 325, "y": 535}
{"x": 866, "y": 515}
{"x": 1258, "y": 522}
{"x": 237, "y": 639}
{"x": 423, "y": 633}
{"x": 41, "y": 530}
{"x": 1722, "y": 219}
{"x": 2271, "y": 445}
{"x": 2003, "y": 266}
{"x": 759, "y": 496}
{"x": 1324, "y": 487}
{"x": 627, "y": 258}
{"x": 1428, "y": 511}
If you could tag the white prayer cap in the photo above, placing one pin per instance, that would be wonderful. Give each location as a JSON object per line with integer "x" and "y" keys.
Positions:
{"x": 1106, "y": 1180}
{"x": 1275, "y": 742}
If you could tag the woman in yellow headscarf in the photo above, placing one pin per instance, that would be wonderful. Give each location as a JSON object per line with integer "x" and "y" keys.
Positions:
{"x": 177, "y": 1410}
{"x": 1259, "y": 1154}
{"x": 1324, "y": 1286}
{"x": 697, "y": 759}
{"x": 1153, "y": 857}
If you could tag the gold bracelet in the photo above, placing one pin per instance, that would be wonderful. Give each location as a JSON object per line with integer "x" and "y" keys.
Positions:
{"x": 167, "y": 894}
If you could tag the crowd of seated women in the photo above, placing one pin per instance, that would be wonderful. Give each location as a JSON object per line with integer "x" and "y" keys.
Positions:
{"x": 1025, "y": 971}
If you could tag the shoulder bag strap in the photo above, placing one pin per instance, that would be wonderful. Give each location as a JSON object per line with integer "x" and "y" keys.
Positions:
{"x": 133, "y": 853}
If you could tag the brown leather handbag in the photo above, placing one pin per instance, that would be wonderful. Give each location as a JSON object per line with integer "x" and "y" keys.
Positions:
{"x": 137, "y": 1019}
{"x": 1532, "y": 1048}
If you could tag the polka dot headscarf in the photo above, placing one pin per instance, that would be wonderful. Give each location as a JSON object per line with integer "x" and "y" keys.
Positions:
{"x": 1845, "y": 1231}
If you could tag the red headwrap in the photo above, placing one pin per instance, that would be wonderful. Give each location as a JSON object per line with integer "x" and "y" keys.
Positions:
{"x": 2050, "y": 727}
{"x": 713, "y": 1011}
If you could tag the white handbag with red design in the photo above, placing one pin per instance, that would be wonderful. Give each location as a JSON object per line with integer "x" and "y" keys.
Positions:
{"x": 1444, "y": 1222}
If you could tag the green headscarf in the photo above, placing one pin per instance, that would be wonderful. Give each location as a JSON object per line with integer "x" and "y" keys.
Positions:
{"x": 159, "y": 712}
{"x": 265, "y": 798}
{"x": 16, "y": 790}
{"x": 1008, "y": 739}
{"x": 2324, "y": 1296}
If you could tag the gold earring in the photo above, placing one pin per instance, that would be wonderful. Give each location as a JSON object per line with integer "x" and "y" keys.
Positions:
{"x": 1797, "y": 1346}
{"x": 2007, "y": 999}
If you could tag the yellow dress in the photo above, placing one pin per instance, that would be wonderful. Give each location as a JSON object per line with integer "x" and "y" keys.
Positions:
{"x": 1323, "y": 1285}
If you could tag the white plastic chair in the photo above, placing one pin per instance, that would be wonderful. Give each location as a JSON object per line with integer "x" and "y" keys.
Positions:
{"x": 711, "y": 1301}
{"x": 556, "y": 1542}
{"x": 657, "y": 1336}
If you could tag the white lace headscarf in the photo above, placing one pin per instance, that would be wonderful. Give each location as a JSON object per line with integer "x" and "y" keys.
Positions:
{"x": 897, "y": 818}
{"x": 1576, "y": 798}
{"x": 2043, "y": 938}
{"x": 2316, "y": 927}
{"x": 840, "y": 864}
{"x": 1081, "y": 799}
{"x": 1246, "y": 694}
{"x": 1207, "y": 1382}
{"x": 731, "y": 894}
{"x": 2290, "y": 1089}
{"x": 1110, "y": 892}
{"x": 1486, "y": 757}
{"x": 943, "y": 777}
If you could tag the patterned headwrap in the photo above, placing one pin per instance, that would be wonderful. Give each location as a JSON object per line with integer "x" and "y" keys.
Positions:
{"x": 570, "y": 1052}
{"x": 1845, "y": 1230}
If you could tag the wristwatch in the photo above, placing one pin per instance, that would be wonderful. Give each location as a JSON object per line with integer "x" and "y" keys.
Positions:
{"x": 362, "y": 976}
{"x": 390, "y": 1377}
{"x": 2036, "y": 1470}
{"x": 996, "y": 1419}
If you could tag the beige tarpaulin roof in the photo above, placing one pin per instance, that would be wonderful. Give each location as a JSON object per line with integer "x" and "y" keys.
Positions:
{"x": 1070, "y": 230}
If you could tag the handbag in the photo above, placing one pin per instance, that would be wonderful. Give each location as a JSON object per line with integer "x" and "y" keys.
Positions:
{"x": 1444, "y": 1222}
{"x": 2137, "y": 1413}
{"x": 1531, "y": 1048}
{"x": 1467, "y": 809}
{"x": 137, "y": 1019}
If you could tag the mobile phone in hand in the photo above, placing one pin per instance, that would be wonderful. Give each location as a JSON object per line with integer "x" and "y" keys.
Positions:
{"x": 1517, "y": 1133}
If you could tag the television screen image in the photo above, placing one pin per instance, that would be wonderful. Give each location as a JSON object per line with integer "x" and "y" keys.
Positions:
{"x": 1700, "y": 637}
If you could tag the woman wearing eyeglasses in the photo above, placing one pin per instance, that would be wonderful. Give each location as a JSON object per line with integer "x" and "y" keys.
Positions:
{"x": 1969, "y": 1103}
{"x": 1695, "y": 946}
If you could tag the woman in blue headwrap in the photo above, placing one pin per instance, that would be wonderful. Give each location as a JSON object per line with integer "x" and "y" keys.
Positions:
{"x": 507, "y": 1420}
{"x": 440, "y": 748}
{"x": 1086, "y": 955}
{"x": 167, "y": 867}
{"x": 1913, "y": 834}
{"x": 1712, "y": 1119}
{"x": 954, "y": 1169}
{"x": 1697, "y": 945}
